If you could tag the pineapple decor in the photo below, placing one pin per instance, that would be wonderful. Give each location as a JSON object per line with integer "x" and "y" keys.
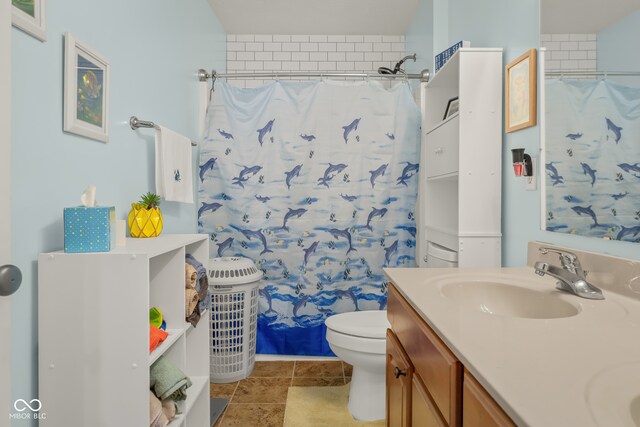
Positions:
{"x": 145, "y": 218}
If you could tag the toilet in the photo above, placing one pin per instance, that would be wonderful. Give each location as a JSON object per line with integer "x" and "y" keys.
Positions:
{"x": 358, "y": 338}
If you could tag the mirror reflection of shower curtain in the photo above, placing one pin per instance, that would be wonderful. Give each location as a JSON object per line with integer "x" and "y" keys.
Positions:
{"x": 593, "y": 158}
{"x": 316, "y": 182}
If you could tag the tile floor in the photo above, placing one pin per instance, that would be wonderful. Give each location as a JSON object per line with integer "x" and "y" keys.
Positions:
{"x": 260, "y": 399}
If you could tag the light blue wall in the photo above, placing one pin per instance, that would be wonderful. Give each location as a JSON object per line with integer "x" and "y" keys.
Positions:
{"x": 154, "y": 48}
{"x": 419, "y": 39}
{"x": 618, "y": 48}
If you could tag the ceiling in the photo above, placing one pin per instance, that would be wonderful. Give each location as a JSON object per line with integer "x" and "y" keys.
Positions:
{"x": 582, "y": 16}
{"x": 390, "y": 17}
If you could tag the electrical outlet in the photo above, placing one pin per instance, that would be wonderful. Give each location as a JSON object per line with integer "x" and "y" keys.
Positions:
{"x": 531, "y": 182}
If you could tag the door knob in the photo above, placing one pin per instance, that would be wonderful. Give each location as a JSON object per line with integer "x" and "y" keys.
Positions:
{"x": 10, "y": 279}
{"x": 399, "y": 373}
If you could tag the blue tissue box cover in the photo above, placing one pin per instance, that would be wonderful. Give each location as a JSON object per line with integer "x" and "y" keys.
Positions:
{"x": 89, "y": 229}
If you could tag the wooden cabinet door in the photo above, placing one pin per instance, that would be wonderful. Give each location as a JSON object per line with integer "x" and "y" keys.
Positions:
{"x": 479, "y": 409}
{"x": 399, "y": 377}
{"x": 424, "y": 412}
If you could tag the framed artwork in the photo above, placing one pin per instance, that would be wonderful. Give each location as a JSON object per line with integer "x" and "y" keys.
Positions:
{"x": 452, "y": 108}
{"x": 86, "y": 91}
{"x": 520, "y": 92}
{"x": 30, "y": 17}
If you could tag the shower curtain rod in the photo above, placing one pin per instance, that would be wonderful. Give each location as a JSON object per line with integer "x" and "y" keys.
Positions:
{"x": 584, "y": 73}
{"x": 203, "y": 75}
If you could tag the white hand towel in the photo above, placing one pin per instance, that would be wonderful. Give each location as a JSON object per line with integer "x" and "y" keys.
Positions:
{"x": 174, "y": 168}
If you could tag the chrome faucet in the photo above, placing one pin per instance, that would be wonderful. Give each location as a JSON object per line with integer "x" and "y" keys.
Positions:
{"x": 571, "y": 277}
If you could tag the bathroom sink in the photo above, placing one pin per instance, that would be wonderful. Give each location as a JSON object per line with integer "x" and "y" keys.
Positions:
{"x": 502, "y": 299}
{"x": 613, "y": 395}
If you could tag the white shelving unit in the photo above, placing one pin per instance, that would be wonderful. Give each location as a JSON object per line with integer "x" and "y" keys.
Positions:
{"x": 460, "y": 183}
{"x": 94, "y": 332}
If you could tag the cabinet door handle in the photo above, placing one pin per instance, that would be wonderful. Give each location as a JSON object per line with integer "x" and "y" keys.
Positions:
{"x": 399, "y": 373}
{"x": 439, "y": 150}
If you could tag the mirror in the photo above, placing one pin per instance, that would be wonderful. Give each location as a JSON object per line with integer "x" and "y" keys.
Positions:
{"x": 592, "y": 117}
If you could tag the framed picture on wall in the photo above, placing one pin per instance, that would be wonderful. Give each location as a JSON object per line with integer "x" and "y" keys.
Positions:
{"x": 30, "y": 17}
{"x": 86, "y": 91}
{"x": 520, "y": 92}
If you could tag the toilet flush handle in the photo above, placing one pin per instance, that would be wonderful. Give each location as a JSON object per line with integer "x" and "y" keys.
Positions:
{"x": 398, "y": 372}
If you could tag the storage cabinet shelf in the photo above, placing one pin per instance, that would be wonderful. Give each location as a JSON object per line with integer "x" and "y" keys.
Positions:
{"x": 94, "y": 332}
{"x": 459, "y": 205}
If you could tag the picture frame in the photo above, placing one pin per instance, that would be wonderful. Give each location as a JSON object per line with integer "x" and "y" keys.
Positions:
{"x": 452, "y": 108}
{"x": 520, "y": 92}
{"x": 86, "y": 91}
{"x": 30, "y": 16}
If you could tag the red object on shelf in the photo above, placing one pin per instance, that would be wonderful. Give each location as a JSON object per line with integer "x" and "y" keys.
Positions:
{"x": 156, "y": 336}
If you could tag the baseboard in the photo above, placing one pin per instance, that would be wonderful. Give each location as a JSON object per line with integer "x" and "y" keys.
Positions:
{"x": 278, "y": 357}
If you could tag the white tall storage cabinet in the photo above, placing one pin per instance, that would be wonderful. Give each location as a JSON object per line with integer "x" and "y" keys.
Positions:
{"x": 94, "y": 332}
{"x": 460, "y": 183}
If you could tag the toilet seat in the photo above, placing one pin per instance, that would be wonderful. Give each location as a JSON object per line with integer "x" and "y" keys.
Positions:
{"x": 356, "y": 344}
{"x": 371, "y": 324}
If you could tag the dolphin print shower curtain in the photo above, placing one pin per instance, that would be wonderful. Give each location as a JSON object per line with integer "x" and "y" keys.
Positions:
{"x": 316, "y": 182}
{"x": 592, "y": 156}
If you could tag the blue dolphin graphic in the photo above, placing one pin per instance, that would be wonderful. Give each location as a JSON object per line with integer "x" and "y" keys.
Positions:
{"x": 410, "y": 230}
{"x": 588, "y": 171}
{"x": 265, "y": 294}
{"x": 580, "y": 210}
{"x": 208, "y": 207}
{"x": 292, "y": 212}
{"x": 555, "y": 227}
{"x": 308, "y": 138}
{"x": 391, "y": 136}
{"x": 224, "y": 246}
{"x": 330, "y": 173}
{"x": 615, "y": 129}
{"x": 348, "y": 198}
{"x": 208, "y": 165}
{"x": 628, "y": 231}
{"x": 350, "y": 128}
{"x": 627, "y": 167}
{"x": 226, "y": 135}
{"x": 292, "y": 174}
{"x": 374, "y": 213}
{"x": 309, "y": 251}
{"x": 264, "y": 131}
{"x": 342, "y": 233}
{"x": 388, "y": 252}
{"x": 376, "y": 173}
{"x": 408, "y": 171}
{"x": 257, "y": 234}
{"x": 574, "y": 136}
{"x": 262, "y": 199}
{"x": 347, "y": 294}
{"x": 302, "y": 302}
{"x": 553, "y": 174}
{"x": 245, "y": 174}
{"x": 619, "y": 195}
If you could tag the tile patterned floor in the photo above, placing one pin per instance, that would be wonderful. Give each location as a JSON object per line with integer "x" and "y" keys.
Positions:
{"x": 260, "y": 399}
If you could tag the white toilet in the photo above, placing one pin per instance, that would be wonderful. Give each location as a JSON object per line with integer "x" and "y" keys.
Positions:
{"x": 358, "y": 338}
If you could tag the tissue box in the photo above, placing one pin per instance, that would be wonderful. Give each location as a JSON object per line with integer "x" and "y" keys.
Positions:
{"x": 89, "y": 229}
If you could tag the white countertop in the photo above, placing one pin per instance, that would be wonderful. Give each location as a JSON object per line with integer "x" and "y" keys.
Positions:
{"x": 582, "y": 370}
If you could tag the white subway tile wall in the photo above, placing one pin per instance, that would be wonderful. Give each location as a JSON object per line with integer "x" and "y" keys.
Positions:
{"x": 331, "y": 53}
{"x": 570, "y": 51}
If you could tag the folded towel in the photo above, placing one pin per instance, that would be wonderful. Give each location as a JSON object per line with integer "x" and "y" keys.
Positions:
{"x": 155, "y": 317}
{"x": 156, "y": 336}
{"x": 174, "y": 166}
{"x": 194, "y": 317}
{"x": 167, "y": 381}
{"x": 157, "y": 417}
{"x": 169, "y": 408}
{"x": 191, "y": 276}
{"x": 191, "y": 297}
{"x": 202, "y": 286}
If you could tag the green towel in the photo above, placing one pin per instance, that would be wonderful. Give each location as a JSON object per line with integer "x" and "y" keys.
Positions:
{"x": 167, "y": 381}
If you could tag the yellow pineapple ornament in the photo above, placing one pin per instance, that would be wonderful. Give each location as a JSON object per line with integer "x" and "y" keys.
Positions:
{"x": 145, "y": 218}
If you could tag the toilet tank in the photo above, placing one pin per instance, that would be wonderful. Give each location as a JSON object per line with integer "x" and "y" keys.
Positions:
{"x": 440, "y": 257}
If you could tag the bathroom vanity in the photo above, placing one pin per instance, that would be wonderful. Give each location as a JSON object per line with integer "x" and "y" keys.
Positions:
{"x": 503, "y": 347}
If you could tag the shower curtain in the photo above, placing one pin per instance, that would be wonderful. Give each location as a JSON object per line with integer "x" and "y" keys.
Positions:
{"x": 592, "y": 156}
{"x": 316, "y": 182}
